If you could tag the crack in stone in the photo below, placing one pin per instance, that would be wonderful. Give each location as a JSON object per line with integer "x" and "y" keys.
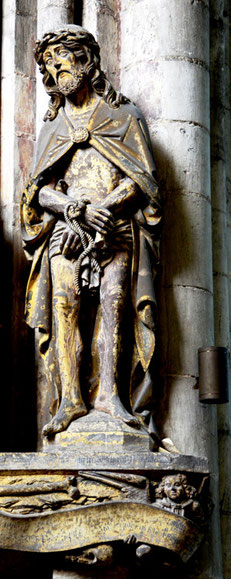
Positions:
{"x": 183, "y": 121}
{"x": 189, "y": 193}
{"x": 21, "y": 134}
{"x": 220, "y": 274}
{"x": 189, "y": 59}
{"x": 193, "y": 287}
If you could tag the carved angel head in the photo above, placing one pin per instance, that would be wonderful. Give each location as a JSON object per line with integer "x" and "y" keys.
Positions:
{"x": 175, "y": 487}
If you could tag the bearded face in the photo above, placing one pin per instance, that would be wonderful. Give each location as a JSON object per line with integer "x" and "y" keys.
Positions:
{"x": 63, "y": 67}
{"x": 70, "y": 82}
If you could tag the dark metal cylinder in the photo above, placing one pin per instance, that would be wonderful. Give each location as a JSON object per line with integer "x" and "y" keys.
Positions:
{"x": 213, "y": 375}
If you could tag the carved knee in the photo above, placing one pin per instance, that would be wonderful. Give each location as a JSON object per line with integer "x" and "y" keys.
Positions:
{"x": 63, "y": 303}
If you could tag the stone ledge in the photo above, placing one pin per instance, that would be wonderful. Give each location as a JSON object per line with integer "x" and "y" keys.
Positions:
{"x": 71, "y": 461}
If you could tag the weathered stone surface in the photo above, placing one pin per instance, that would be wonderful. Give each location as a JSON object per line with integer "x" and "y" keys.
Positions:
{"x": 50, "y": 15}
{"x": 8, "y": 40}
{"x": 54, "y": 14}
{"x": 181, "y": 400}
{"x": 50, "y": 462}
{"x": 181, "y": 307}
{"x": 24, "y": 151}
{"x": 27, "y": 34}
{"x": 9, "y": 8}
{"x": 225, "y": 483}
{"x": 221, "y": 166}
{"x": 218, "y": 188}
{"x": 183, "y": 163}
{"x": 220, "y": 242}
{"x": 98, "y": 524}
{"x": 221, "y": 307}
{"x": 103, "y": 21}
{"x": 164, "y": 31}
{"x": 7, "y": 159}
{"x": 25, "y": 90}
{"x": 101, "y": 433}
{"x": 182, "y": 155}
{"x": 18, "y": 120}
{"x": 171, "y": 82}
{"x": 186, "y": 236}
{"x": 25, "y": 8}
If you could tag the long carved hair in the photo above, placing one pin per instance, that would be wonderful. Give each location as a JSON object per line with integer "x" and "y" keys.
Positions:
{"x": 86, "y": 49}
{"x": 190, "y": 491}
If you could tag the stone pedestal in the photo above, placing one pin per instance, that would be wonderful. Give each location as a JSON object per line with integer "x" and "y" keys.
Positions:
{"x": 97, "y": 498}
{"x": 102, "y": 434}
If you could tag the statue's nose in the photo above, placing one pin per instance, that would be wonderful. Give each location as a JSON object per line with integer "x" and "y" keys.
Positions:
{"x": 57, "y": 65}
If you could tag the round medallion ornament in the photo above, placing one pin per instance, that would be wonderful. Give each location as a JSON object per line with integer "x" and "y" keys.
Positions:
{"x": 79, "y": 135}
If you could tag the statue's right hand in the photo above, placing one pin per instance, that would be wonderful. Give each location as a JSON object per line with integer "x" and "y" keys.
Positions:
{"x": 69, "y": 242}
{"x": 99, "y": 218}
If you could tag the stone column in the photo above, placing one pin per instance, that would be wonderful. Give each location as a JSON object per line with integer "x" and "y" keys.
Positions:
{"x": 50, "y": 16}
{"x": 165, "y": 70}
{"x": 221, "y": 172}
{"x": 17, "y": 143}
{"x": 102, "y": 20}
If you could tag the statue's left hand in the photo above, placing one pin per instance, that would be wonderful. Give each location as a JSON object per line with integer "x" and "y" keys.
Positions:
{"x": 69, "y": 241}
{"x": 99, "y": 218}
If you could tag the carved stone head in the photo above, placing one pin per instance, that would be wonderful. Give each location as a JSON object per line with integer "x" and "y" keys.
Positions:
{"x": 68, "y": 57}
{"x": 175, "y": 487}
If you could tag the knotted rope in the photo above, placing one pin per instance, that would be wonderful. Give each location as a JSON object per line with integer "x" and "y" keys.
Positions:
{"x": 72, "y": 214}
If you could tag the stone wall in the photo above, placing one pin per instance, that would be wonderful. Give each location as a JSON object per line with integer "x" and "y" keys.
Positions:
{"x": 17, "y": 144}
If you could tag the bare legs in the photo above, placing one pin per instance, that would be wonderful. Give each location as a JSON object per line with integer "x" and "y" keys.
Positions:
{"x": 68, "y": 345}
{"x": 114, "y": 289}
{"x": 113, "y": 297}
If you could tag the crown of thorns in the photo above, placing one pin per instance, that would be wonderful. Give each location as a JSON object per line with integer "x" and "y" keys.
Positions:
{"x": 74, "y": 40}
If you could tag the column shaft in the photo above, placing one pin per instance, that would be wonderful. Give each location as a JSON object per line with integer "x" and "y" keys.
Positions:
{"x": 102, "y": 20}
{"x": 165, "y": 70}
{"x": 50, "y": 16}
{"x": 17, "y": 144}
{"x": 221, "y": 195}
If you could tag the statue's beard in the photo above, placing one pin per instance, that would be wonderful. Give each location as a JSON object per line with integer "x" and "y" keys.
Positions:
{"x": 70, "y": 83}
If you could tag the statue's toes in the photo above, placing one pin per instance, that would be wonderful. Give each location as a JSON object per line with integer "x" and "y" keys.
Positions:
{"x": 120, "y": 412}
{"x": 130, "y": 420}
{"x": 48, "y": 429}
{"x": 53, "y": 427}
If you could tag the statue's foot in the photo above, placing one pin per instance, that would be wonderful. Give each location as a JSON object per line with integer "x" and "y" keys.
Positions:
{"x": 66, "y": 414}
{"x": 116, "y": 409}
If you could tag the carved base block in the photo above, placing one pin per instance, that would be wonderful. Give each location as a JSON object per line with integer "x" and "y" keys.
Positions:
{"x": 56, "y": 503}
{"x": 102, "y": 433}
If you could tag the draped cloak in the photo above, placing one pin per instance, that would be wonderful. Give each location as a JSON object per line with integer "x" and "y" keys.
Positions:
{"x": 121, "y": 136}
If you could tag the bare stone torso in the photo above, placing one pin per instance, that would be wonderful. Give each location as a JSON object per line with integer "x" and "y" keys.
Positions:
{"x": 91, "y": 175}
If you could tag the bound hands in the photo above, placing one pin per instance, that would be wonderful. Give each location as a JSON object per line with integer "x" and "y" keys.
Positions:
{"x": 69, "y": 242}
{"x": 95, "y": 217}
{"x": 99, "y": 218}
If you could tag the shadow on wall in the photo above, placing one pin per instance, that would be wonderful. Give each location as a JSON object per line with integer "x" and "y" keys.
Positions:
{"x": 18, "y": 392}
{"x": 178, "y": 257}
